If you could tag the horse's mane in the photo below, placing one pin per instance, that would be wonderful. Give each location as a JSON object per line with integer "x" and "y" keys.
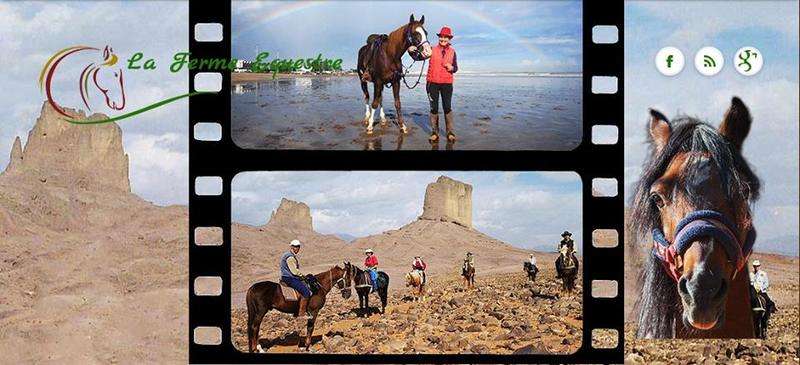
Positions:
{"x": 738, "y": 180}
{"x": 659, "y": 305}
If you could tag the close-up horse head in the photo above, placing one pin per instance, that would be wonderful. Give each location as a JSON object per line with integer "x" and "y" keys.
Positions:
{"x": 694, "y": 198}
{"x": 417, "y": 37}
{"x": 110, "y": 85}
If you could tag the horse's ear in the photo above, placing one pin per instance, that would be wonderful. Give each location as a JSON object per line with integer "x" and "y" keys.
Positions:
{"x": 411, "y": 19}
{"x": 736, "y": 124}
{"x": 422, "y": 20}
{"x": 659, "y": 129}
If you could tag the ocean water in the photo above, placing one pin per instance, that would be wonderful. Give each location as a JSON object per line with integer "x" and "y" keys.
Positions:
{"x": 493, "y": 112}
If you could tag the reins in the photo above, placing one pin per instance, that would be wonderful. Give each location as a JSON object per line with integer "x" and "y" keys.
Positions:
{"x": 404, "y": 69}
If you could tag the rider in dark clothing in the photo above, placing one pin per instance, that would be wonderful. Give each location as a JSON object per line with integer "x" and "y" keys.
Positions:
{"x": 566, "y": 240}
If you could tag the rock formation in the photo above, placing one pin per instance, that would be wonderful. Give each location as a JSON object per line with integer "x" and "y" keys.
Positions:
{"x": 291, "y": 214}
{"x": 448, "y": 200}
{"x": 69, "y": 155}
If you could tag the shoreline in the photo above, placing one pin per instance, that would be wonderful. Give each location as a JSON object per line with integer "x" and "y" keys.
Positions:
{"x": 242, "y": 77}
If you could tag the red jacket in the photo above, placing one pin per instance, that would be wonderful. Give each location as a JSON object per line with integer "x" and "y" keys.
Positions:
{"x": 371, "y": 261}
{"x": 441, "y": 56}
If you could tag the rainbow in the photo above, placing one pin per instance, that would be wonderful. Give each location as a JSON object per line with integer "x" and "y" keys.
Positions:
{"x": 297, "y": 6}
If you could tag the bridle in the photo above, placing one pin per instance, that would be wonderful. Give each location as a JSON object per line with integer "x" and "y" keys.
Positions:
{"x": 702, "y": 223}
{"x": 415, "y": 56}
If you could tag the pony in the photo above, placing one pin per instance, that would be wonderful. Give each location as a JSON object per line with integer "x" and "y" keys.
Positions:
{"x": 414, "y": 280}
{"x": 382, "y": 55}
{"x": 468, "y": 273}
{"x": 89, "y": 73}
{"x": 694, "y": 198}
{"x": 363, "y": 288}
{"x": 267, "y": 295}
{"x": 567, "y": 269}
{"x": 531, "y": 270}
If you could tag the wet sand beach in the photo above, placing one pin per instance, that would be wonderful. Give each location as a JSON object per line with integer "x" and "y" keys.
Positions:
{"x": 492, "y": 112}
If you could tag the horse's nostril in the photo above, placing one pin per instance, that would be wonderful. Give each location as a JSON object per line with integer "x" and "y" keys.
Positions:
{"x": 723, "y": 289}
{"x": 682, "y": 286}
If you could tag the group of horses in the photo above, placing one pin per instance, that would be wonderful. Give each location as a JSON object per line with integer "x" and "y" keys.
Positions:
{"x": 694, "y": 197}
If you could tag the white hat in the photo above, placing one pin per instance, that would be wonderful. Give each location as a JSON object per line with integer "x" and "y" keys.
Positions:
{"x": 756, "y": 263}
{"x": 369, "y": 250}
{"x": 295, "y": 243}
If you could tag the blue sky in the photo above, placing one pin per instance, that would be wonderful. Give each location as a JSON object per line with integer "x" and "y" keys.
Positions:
{"x": 489, "y": 36}
{"x": 526, "y": 209}
{"x": 771, "y": 95}
{"x": 156, "y": 141}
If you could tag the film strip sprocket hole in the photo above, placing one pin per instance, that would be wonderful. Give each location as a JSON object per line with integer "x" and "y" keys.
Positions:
{"x": 214, "y": 160}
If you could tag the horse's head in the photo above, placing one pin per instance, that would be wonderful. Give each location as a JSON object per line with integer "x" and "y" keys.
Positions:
{"x": 417, "y": 36}
{"x": 694, "y": 197}
{"x": 111, "y": 84}
{"x": 346, "y": 282}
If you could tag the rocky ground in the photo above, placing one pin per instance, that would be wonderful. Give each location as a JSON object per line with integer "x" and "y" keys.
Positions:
{"x": 501, "y": 314}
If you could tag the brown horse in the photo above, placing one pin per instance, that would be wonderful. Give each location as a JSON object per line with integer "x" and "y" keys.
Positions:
{"x": 385, "y": 67}
{"x": 363, "y": 288}
{"x": 567, "y": 268}
{"x": 694, "y": 197}
{"x": 468, "y": 273}
{"x": 414, "y": 280}
{"x": 266, "y": 295}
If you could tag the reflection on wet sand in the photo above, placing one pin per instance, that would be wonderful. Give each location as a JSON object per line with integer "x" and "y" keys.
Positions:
{"x": 491, "y": 113}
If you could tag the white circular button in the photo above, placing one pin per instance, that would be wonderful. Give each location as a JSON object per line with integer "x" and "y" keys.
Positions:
{"x": 669, "y": 61}
{"x": 709, "y": 61}
{"x": 748, "y": 61}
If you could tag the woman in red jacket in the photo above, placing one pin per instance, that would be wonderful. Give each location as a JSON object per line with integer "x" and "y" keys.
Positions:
{"x": 442, "y": 66}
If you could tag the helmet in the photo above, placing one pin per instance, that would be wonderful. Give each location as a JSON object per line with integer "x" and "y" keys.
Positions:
{"x": 756, "y": 263}
{"x": 295, "y": 243}
{"x": 369, "y": 250}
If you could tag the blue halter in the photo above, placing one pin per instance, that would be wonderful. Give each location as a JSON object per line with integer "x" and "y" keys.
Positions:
{"x": 697, "y": 224}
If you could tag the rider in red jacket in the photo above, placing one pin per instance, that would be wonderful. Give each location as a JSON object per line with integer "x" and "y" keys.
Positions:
{"x": 371, "y": 263}
{"x": 443, "y": 64}
{"x": 419, "y": 264}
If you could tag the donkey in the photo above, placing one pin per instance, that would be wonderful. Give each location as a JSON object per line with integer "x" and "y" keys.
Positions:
{"x": 379, "y": 62}
{"x": 266, "y": 295}
{"x": 694, "y": 198}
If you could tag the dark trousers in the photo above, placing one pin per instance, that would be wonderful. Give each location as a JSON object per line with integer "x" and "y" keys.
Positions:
{"x": 434, "y": 90}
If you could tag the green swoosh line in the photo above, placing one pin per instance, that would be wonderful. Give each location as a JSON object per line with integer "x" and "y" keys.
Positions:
{"x": 137, "y": 111}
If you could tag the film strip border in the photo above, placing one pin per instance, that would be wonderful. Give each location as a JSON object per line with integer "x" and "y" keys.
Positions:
{"x": 216, "y": 160}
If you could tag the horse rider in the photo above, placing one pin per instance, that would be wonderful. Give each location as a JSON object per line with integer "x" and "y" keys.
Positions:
{"x": 469, "y": 261}
{"x": 371, "y": 263}
{"x": 419, "y": 265}
{"x": 566, "y": 240}
{"x": 532, "y": 261}
{"x": 291, "y": 275}
{"x": 443, "y": 64}
{"x": 760, "y": 281}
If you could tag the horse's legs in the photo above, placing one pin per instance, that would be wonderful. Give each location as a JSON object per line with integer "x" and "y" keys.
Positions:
{"x": 310, "y": 329}
{"x": 366, "y": 101}
{"x": 397, "y": 107}
{"x": 253, "y": 329}
{"x": 383, "y": 115}
{"x": 376, "y": 102}
{"x": 366, "y": 305}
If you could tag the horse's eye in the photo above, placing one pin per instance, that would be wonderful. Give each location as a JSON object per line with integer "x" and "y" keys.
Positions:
{"x": 657, "y": 200}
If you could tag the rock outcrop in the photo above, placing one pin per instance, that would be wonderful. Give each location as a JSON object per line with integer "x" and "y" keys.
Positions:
{"x": 448, "y": 200}
{"x": 292, "y": 215}
{"x": 89, "y": 157}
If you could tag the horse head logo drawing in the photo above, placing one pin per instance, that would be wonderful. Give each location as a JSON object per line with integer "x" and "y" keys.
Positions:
{"x": 113, "y": 91}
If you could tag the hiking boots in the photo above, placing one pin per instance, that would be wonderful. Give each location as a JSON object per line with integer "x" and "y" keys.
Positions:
{"x": 434, "y": 128}
{"x": 448, "y": 123}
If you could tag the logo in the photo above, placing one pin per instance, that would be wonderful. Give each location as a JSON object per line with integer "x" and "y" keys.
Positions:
{"x": 748, "y": 61}
{"x": 709, "y": 61}
{"x": 102, "y": 77}
{"x": 669, "y": 61}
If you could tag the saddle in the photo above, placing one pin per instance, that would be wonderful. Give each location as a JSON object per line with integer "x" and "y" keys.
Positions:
{"x": 367, "y": 281}
{"x": 374, "y": 42}
{"x": 289, "y": 294}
